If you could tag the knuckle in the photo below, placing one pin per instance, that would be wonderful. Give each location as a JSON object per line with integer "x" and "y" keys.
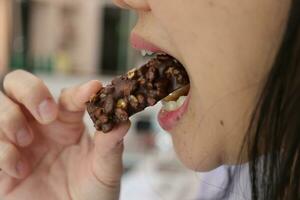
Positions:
{"x": 9, "y": 110}
{"x": 10, "y": 116}
{"x": 7, "y": 151}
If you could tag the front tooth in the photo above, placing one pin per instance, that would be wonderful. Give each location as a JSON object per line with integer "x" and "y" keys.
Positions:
{"x": 149, "y": 53}
{"x": 171, "y": 105}
{"x": 180, "y": 101}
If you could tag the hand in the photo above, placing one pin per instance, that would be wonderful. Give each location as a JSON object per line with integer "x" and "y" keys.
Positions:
{"x": 45, "y": 152}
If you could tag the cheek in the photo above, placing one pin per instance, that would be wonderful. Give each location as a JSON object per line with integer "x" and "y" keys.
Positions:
{"x": 197, "y": 140}
{"x": 210, "y": 135}
{"x": 183, "y": 27}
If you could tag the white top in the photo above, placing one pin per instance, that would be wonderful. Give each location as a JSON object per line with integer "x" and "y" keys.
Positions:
{"x": 161, "y": 177}
{"x": 213, "y": 184}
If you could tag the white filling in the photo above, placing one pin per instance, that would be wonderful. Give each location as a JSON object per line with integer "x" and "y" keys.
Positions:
{"x": 173, "y": 105}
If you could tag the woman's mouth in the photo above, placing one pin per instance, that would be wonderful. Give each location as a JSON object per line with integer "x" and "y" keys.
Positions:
{"x": 175, "y": 104}
{"x": 172, "y": 112}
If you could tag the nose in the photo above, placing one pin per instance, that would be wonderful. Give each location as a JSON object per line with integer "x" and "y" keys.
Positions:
{"x": 140, "y": 5}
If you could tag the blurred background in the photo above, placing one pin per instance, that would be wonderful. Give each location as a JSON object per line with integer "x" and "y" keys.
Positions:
{"x": 65, "y": 37}
{"x": 68, "y": 42}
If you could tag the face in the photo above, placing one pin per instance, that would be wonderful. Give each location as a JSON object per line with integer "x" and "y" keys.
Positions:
{"x": 227, "y": 48}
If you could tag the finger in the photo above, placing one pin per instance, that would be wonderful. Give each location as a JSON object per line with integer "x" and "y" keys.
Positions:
{"x": 71, "y": 111}
{"x": 31, "y": 91}
{"x": 6, "y": 183}
{"x": 107, "y": 143}
{"x": 107, "y": 161}
{"x": 11, "y": 161}
{"x": 72, "y": 100}
{"x": 13, "y": 122}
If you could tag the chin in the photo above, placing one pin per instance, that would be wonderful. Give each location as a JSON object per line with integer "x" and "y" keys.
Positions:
{"x": 194, "y": 157}
{"x": 198, "y": 165}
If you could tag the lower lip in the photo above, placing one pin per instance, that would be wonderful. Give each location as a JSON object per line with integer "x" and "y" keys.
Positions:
{"x": 169, "y": 119}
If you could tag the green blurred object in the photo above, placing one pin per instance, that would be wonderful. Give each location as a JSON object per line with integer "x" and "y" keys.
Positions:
{"x": 114, "y": 41}
{"x": 20, "y": 40}
{"x": 18, "y": 61}
{"x": 43, "y": 64}
{"x": 49, "y": 65}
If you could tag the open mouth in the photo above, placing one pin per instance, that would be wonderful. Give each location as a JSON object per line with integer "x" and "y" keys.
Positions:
{"x": 176, "y": 98}
{"x": 161, "y": 78}
{"x": 175, "y": 103}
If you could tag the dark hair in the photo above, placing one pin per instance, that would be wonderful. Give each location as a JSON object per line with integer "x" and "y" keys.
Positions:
{"x": 273, "y": 139}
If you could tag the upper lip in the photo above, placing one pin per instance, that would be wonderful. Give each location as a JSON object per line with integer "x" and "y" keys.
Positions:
{"x": 140, "y": 43}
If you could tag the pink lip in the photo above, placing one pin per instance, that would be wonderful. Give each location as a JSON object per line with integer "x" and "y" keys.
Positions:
{"x": 169, "y": 119}
{"x": 140, "y": 43}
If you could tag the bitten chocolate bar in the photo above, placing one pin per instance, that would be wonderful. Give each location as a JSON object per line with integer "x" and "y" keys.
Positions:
{"x": 133, "y": 92}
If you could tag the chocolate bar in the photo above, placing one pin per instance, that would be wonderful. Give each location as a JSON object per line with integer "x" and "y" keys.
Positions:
{"x": 133, "y": 92}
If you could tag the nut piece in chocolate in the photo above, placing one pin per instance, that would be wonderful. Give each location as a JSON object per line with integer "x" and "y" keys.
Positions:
{"x": 133, "y": 92}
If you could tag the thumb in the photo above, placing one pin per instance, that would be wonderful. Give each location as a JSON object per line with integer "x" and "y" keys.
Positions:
{"x": 107, "y": 161}
{"x": 72, "y": 101}
{"x": 69, "y": 125}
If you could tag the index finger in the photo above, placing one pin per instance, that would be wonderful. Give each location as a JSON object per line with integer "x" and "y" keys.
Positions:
{"x": 27, "y": 89}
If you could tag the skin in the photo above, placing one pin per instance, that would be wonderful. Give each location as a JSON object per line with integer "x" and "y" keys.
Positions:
{"x": 227, "y": 48}
{"x": 56, "y": 159}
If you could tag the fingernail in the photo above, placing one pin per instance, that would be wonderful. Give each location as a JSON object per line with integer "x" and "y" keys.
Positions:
{"x": 23, "y": 137}
{"x": 47, "y": 110}
{"x": 21, "y": 168}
